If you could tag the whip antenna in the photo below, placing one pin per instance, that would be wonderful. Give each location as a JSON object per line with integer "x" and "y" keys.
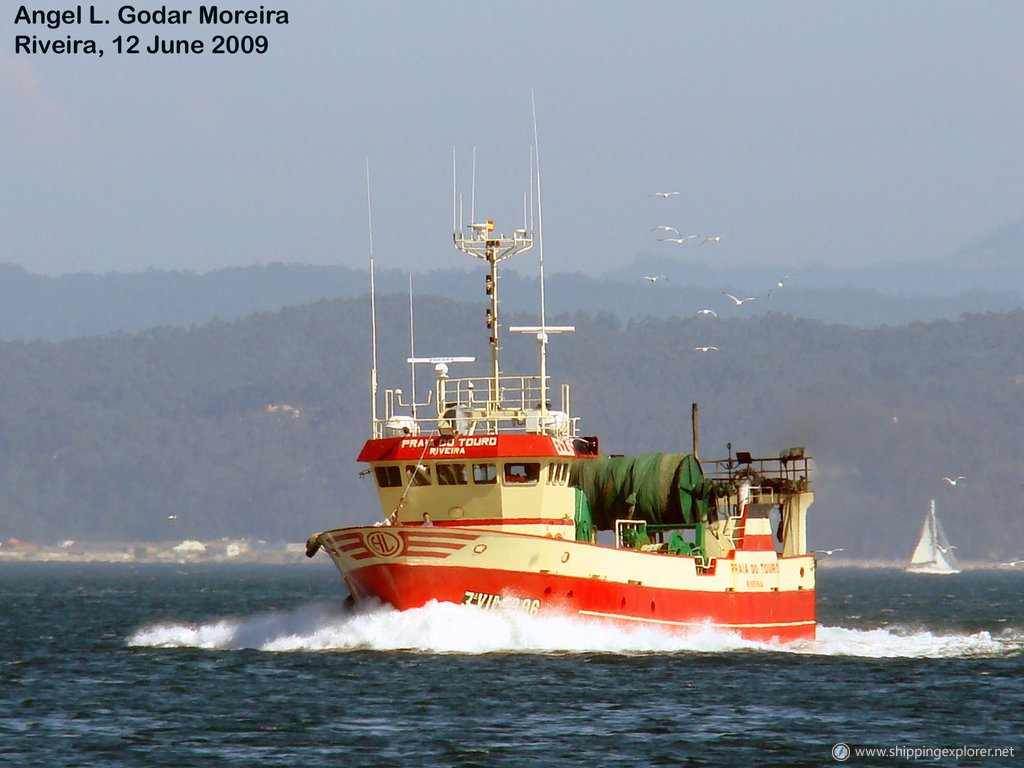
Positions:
{"x": 540, "y": 218}
{"x": 412, "y": 349}
{"x": 472, "y": 192}
{"x": 373, "y": 312}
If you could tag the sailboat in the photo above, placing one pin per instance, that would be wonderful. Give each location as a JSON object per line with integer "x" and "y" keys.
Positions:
{"x": 933, "y": 553}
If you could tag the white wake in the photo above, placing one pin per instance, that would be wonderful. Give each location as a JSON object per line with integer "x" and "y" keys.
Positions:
{"x": 447, "y": 628}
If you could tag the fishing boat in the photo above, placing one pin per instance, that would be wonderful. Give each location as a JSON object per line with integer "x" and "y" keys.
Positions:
{"x": 494, "y": 498}
{"x": 933, "y": 553}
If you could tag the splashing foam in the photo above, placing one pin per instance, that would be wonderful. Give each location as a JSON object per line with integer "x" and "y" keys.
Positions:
{"x": 449, "y": 628}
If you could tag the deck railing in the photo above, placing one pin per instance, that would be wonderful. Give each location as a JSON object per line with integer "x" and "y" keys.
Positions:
{"x": 790, "y": 471}
{"x": 480, "y": 406}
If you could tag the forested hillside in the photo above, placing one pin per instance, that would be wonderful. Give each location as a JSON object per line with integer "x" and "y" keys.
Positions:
{"x": 70, "y": 306}
{"x": 105, "y": 437}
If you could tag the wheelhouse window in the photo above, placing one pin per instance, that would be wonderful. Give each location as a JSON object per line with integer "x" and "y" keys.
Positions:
{"x": 485, "y": 474}
{"x": 452, "y": 474}
{"x": 418, "y": 474}
{"x": 388, "y": 477}
{"x": 558, "y": 473}
{"x": 522, "y": 473}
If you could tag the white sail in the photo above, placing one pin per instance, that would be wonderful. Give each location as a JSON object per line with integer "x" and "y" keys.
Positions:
{"x": 933, "y": 553}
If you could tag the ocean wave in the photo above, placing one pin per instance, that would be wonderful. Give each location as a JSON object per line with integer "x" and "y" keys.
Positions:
{"x": 439, "y": 628}
{"x": 898, "y": 643}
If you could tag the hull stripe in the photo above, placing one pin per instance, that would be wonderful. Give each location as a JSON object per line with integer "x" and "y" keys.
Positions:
{"x": 425, "y": 553}
{"x": 499, "y": 521}
{"x": 437, "y": 544}
{"x": 625, "y": 617}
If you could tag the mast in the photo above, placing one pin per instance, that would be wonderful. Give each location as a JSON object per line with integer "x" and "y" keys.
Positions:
{"x": 481, "y": 242}
{"x": 931, "y": 517}
{"x": 478, "y": 239}
{"x": 693, "y": 427}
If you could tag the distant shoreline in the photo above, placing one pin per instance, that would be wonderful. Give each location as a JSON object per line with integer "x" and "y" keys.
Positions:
{"x": 292, "y": 553}
{"x": 188, "y": 551}
{"x": 899, "y": 565}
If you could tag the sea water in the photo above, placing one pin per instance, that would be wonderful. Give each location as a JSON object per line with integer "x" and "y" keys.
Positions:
{"x": 244, "y": 665}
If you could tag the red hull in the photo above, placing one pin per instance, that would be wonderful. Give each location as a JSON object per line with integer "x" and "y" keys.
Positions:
{"x": 761, "y": 616}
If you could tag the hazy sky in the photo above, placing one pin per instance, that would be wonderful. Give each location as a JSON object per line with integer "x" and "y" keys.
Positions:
{"x": 847, "y": 133}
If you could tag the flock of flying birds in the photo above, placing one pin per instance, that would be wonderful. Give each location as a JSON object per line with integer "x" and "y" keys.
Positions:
{"x": 681, "y": 239}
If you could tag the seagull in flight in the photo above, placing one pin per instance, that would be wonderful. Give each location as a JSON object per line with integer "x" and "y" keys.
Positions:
{"x": 677, "y": 240}
{"x": 707, "y": 312}
{"x": 777, "y": 285}
{"x": 829, "y": 551}
{"x": 171, "y": 519}
{"x": 739, "y": 302}
{"x": 705, "y": 349}
{"x": 654, "y": 278}
{"x": 663, "y": 228}
{"x": 711, "y": 239}
{"x": 944, "y": 550}
{"x": 1013, "y": 563}
{"x": 954, "y": 480}
{"x": 664, "y": 195}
